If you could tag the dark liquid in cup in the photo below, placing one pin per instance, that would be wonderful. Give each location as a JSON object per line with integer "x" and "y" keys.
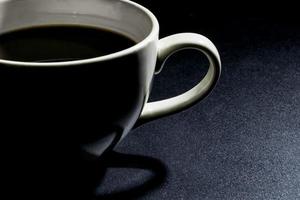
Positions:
{"x": 51, "y": 117}
{"x": 60, "y": 43}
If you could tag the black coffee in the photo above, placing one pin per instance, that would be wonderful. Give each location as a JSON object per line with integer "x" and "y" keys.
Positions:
{"x": 60, "y": 43}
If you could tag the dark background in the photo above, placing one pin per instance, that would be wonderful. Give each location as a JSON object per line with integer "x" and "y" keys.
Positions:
{"x": 243, "y": 141}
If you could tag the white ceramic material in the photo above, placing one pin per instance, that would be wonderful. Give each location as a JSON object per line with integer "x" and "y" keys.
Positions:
{"x": 150, "y": 53}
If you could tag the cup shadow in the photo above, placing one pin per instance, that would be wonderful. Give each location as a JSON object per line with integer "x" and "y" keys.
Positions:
{"x": 125, "y": 162}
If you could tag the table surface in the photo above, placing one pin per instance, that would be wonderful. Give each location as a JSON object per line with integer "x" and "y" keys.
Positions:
{"x": 242, "y": 142}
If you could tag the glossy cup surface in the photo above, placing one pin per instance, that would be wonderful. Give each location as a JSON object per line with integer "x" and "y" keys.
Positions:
{"x": 59, "y": 110}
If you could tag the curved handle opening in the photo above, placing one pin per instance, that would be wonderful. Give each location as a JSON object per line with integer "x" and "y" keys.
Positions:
{"x": 167, "y": 47}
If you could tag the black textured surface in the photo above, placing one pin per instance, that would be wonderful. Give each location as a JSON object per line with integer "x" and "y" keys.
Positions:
{"x": 242, "y": 142}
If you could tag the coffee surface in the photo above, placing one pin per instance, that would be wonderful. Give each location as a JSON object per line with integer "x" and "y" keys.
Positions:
{"x": 60, "y": 43}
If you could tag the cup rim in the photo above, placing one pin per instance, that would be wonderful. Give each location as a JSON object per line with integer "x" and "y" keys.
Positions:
{"x": 135, "y": 48}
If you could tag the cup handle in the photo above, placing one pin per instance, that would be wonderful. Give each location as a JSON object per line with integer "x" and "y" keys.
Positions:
{"x": 168, "y": 46}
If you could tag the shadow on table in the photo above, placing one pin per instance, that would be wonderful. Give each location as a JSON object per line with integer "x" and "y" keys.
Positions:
{"x": 125, "y": 161}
